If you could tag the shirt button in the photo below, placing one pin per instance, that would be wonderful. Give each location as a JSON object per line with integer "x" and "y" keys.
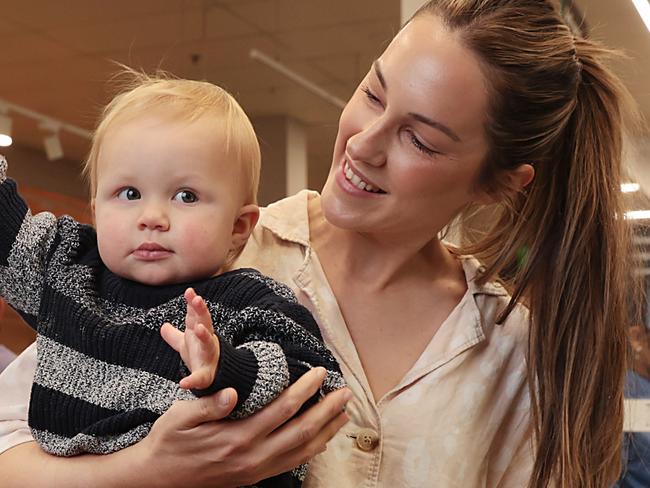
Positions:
{"x": 367, "y": 439}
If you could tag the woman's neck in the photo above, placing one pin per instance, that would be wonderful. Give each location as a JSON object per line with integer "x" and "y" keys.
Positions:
{"x": 383, "y": 260}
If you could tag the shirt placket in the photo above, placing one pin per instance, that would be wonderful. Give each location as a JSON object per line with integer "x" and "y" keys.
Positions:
{"x": 363, "y": 433}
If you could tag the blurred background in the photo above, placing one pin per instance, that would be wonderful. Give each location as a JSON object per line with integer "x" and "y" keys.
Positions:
{"x": 292, "y": 64}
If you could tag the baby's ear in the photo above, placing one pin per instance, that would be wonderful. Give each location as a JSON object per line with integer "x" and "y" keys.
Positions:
{"x": 244, "y": 224}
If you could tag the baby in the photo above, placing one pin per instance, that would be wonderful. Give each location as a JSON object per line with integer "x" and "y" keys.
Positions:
{"x": 173, "y": 170}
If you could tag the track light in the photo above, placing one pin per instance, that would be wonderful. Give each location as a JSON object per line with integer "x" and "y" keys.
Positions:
{"x": 52, "y": 127}
{"x": 53, "y": 148}
{"x": 5, "y": 130}
{"x": 52, "y": 142}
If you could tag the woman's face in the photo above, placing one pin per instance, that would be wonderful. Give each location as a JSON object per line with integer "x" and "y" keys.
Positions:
{"x": 414, "y": 131}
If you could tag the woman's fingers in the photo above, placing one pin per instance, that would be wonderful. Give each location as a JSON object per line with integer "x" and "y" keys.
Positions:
{"x": 190, "y": 413}
{"x": 314, "y": 427}
{"x": 288, "y": 403}
{"x": 302, "y": 438}
{"x": 318, "y": 444}
{"x": 240, "y": 452}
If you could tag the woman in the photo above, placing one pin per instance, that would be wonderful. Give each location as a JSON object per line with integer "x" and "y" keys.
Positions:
{"x": 474, "y": 102}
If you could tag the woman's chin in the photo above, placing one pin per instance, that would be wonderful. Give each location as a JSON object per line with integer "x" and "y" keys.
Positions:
{"x": 341, "y": 213}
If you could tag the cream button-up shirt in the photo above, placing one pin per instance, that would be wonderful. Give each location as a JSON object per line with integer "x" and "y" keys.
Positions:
{"x": 459, "y": 418}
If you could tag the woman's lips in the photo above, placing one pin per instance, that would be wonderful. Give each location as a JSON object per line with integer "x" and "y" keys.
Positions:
{"x": 359, "y": 180}
{"x": 354, "y": 183}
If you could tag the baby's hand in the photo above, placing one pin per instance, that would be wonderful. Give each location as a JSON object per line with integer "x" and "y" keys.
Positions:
{"x": 198, "y": 345}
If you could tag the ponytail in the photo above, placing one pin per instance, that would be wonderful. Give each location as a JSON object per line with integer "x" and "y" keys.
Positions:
{"x": 556, "y": 106}
{"x": 578, "y": 292}
{"x": 577, "y": 282}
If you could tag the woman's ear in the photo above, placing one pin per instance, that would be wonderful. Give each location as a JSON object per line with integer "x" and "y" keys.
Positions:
{"x": 244, "y": 224}
{"x": 520, "y": 177}
{"x": 513, "y": 182}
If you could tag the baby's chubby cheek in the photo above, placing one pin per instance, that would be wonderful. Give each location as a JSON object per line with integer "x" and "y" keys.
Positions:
{"x": 192, "y": 236}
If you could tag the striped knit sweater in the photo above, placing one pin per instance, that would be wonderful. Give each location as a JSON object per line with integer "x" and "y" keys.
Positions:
{"x": 104, "y": 374}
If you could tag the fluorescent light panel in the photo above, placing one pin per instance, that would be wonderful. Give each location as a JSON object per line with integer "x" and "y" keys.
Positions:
{"x": 637, "y": 215}
{"x": 643, "y": 7}
{"x": 629, "y": 187}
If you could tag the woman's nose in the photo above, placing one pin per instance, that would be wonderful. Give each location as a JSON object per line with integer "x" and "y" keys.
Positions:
{"x": 153, "y": 217}
{"x": 368, "y": 145}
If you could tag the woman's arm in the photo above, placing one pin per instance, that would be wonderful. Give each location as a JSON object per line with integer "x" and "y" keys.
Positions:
{"x": 190, "y": 446}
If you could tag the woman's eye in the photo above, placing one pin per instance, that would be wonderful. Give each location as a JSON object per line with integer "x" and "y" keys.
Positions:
{"x": 421, "y": 147}
{"x": 186, "y": 196}
{"x": 129, "y": 193}
{"x": 370, "y": 95}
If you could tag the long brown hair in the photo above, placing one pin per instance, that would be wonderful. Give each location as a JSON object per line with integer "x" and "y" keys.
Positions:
{"x": 556, "y": 106}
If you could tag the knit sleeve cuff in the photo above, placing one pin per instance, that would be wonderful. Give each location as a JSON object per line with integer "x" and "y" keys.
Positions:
{"x": 237, "y": 368}
{"x": 258, "y": 370}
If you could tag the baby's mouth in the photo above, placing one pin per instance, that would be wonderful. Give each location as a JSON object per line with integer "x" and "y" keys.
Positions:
{"x": 151, "y": 251}
{"x": 151, "y": 246}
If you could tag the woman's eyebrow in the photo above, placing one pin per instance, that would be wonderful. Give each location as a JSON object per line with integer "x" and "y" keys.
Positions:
{"x": 436, "y": 125}
{"x": 419, "y": 117}
{"x": 380, "y": 76}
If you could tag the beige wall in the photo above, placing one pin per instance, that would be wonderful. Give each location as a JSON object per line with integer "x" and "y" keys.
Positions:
{"x": 271, "y": 132}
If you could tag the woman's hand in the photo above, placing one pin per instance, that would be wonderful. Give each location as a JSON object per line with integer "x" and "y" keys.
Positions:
{"x": 190, "y": 445}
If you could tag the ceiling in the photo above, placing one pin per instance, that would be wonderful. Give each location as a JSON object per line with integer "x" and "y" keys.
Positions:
{"x": 56, "y": 57}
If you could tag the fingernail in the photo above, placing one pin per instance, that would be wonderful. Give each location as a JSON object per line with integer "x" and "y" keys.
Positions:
{"x": 347, "y": 396}
{"x": 224, "y": 397}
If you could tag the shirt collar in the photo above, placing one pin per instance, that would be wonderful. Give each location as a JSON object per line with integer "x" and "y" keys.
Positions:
{"x": 288, "y": 218}
{"x": 473, "y": 268}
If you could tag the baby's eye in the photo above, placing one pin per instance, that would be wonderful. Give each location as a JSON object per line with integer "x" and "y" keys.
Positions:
{"x": 129, "y": 193}
{"x": 186, "y": 196}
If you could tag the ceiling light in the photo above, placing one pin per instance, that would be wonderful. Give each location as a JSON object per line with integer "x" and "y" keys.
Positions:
{"x": 643, "y": 7}
{"x": 51, "y": 141}
{"x": 51, "y": 126}
{"x": 53, "y": 148}
{"x": 637, "y": 215}
{"x": 630, "y": 187}
{"x": 5, "y": 130}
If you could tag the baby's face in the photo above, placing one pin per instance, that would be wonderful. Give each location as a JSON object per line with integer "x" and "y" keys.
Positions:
{"x": 167, "y": 199}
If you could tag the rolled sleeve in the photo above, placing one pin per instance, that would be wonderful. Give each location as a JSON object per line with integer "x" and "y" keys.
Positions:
{"x": 15, "y": 385}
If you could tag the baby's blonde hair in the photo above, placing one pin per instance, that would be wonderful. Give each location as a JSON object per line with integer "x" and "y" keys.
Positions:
{"x": 189, "y": 100}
